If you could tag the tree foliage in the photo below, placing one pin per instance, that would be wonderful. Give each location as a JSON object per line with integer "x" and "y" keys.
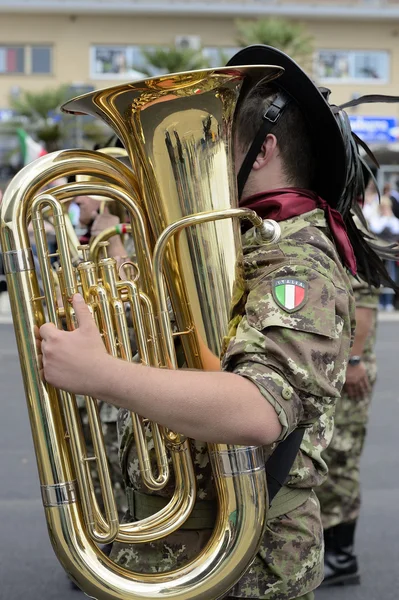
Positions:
{"x": 39, "y": 105}
{"x": 174, "y": 60}
{"x": 291, "y": 38}
{"x": 40, "y": 114}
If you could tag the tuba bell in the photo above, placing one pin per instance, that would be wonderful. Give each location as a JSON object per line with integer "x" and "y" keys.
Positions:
{"x": 180, "y": 196}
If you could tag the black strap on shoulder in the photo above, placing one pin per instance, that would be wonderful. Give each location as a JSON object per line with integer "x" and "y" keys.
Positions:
{"x": 270, "y": 117}
{"x": 279, "y": 464}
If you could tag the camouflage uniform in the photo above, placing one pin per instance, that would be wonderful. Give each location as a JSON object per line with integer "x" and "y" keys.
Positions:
{"x": 108, "y": 416}
{"x": 298, "y": 361}
{"x": 339, "y": 496}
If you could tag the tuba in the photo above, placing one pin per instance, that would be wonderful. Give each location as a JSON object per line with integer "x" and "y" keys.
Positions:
{"x": 181, "y": 200}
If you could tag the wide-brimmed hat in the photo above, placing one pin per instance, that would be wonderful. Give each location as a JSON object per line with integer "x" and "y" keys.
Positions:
{"x": 331, "y": 168}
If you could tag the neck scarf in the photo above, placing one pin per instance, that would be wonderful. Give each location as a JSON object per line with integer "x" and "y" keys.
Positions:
{"x": 286, "y": 203}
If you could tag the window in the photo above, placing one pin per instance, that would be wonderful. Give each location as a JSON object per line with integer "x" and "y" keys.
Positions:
{"x": 41, "y": 60}
{"x": 345, "y": 66}
{"x": 129, "y": 62}
{"x": 117, "y": 62}
{"x": 12, "y": 59}
{"x": 25, "y": 60}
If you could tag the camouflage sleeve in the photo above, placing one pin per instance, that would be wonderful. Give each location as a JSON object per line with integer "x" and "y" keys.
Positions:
{"x": 292, "y": 352}
{"x": 365, "y": 296}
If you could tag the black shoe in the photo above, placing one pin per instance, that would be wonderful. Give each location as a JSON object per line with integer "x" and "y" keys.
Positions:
{"x": 340, "y": 568}
{"x": 340, "y": 562}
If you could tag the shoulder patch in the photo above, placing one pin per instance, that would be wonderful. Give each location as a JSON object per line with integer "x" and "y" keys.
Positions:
{"x": 290, "y": 294}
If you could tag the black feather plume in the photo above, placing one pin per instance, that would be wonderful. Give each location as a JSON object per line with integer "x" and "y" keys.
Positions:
{"x": 369, "y": 251}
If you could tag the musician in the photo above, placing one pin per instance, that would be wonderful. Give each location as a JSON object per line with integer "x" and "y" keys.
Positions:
{"x": 289, "y": 338}
{"x": 339, "y": 495}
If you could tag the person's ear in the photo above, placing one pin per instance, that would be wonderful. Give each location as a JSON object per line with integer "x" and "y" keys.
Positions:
{"x": 266, "y": 153}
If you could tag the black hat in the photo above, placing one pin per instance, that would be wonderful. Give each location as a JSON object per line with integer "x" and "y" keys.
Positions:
{"x": 326, "y": 135}
{"x": 340, "y": 168}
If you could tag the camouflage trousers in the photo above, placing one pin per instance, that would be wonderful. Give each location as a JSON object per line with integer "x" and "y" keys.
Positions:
{"x": 111, "y": 446}
{"x": 340, "y": 496}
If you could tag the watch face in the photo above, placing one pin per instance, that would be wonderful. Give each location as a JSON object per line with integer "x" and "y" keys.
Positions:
{"x": 355, "y": 360}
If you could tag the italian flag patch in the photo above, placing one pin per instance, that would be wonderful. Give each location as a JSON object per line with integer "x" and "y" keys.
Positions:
{"x": 290, "y": 294}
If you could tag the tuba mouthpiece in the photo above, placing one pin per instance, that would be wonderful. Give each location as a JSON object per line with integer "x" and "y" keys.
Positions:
{"x": 270, "y": 231}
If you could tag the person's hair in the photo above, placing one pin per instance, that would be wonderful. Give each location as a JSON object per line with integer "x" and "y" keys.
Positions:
{"x": 291, "y": 130}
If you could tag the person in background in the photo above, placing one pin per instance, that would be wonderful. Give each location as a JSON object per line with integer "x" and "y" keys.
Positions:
{"x": 339, "y": 496}
{"x": 385, "y": 225}
{"x": 394, "y": 197}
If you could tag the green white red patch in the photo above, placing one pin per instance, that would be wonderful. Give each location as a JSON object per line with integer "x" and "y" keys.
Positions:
{"x": 290, "y": 294}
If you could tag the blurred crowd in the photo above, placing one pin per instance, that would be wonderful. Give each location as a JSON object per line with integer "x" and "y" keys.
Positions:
{"x": 382, "y": 215}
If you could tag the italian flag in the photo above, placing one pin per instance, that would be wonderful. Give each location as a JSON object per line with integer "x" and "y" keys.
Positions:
{"x": 289, "y": 293}
{"x": 30, "y": 149}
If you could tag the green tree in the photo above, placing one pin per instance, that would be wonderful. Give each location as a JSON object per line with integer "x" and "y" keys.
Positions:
{"x": 174, "y": 60}
{"x": 291, "y": 38}
{"x": 40, "y": 114}
{"x": 42, "y": 110}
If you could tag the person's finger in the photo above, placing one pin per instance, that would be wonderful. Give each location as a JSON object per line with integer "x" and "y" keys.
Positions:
{"x": 364, "y": 385}
{"x": 83, "y": 314}
{"x": 351, "y": 391}
{"x": 38, "y": 342}
{"x": 47, "y": 331}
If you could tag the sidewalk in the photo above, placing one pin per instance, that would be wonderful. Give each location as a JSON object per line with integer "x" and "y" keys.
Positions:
{"x": 5, "y": 312}
{"x": 388, "y": 317}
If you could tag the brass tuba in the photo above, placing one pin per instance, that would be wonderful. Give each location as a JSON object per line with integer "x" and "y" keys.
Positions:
{"x": 177, "y": 130}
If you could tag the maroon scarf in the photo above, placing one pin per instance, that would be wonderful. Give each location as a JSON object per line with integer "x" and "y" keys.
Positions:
{"x": 286, "y": 203}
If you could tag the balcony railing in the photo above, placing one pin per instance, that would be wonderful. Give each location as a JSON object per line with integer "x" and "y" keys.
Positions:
{"x": 360, "y": 9}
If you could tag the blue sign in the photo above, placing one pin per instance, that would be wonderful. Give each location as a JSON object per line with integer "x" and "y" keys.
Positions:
{"x": 375, "y": 129}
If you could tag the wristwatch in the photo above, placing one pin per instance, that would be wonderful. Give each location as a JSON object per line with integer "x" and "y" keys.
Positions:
{"x": 354, "y": 361}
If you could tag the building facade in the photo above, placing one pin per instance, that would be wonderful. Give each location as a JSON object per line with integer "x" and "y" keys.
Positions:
{"x": 97, "y": 43}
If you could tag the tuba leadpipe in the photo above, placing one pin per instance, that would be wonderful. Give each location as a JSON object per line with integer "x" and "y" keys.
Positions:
{"x": 177, "y": 131}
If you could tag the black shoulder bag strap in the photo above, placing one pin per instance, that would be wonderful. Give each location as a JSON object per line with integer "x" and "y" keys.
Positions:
{"x": 280, "y": 462}
{"x": 271, "y": 116}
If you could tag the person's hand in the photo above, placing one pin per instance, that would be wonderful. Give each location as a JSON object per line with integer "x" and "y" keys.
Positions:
{"x": 103, "y": 221}
{"x": 72, "y": 360}
{"x": 357, "y": 383}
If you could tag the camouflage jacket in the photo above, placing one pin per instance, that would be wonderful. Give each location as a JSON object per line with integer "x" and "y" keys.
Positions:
{"x": 366, "y": 297}
{"x": 294, "y": 345}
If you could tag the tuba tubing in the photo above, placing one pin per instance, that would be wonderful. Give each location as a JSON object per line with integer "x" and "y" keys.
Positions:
{"x": 177, "y": 131}
{"x": 239, "y": 472}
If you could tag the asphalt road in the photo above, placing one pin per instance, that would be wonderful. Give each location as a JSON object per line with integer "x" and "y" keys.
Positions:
{"x": 29, "y": 569}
